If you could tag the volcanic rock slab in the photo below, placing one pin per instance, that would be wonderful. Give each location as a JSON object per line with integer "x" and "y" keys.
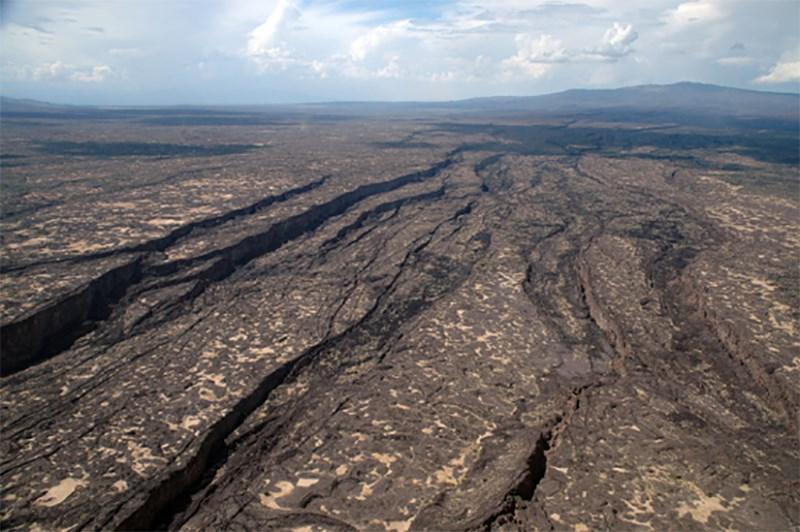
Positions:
{"x": 431, "y": 324}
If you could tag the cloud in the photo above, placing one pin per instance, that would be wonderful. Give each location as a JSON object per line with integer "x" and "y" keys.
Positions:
{"x": 97, "y": 74}
{"x": 54, "y": 70}
{"x": 319, "y": 68}
{"x": 364, "y": 44}
{"x": 126, "y": 52}
{"x": 736, "y": 60}
{"x": 392, "y": 69}
{"x": 37, "y": 27}
{"x": 60, "y": 72}
{"x": 328, "y": 49}
{"x": 534, "y": 57}
{"x": 262, "y": 36}
{"x": 545, "y": 49}
{"x": 261, "y": 46}
{"x": 559, "y": 9}
{"x": 617, "y": 41}
{"x": 693, "y": 13}
{"x": 782, "y": 72}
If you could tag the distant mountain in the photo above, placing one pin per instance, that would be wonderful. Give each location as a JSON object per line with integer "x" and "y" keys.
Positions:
{"x": 28, "y": 105}
{"x": 680, "y": 99}
{"x": 685, "y": 102}
{"x": 684, "y": 96}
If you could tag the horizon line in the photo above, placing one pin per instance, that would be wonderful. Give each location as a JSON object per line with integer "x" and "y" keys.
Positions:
{"x": 408, "y": 102}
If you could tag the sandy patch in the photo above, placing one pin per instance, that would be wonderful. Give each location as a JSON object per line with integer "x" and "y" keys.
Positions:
{"x": 59, "y": 493}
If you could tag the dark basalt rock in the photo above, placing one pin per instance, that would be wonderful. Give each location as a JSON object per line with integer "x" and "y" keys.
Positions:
{"x": 417, "y": 325}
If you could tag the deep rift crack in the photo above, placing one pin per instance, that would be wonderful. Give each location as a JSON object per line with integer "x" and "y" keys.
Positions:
{"x": 522, "y": 497}
{"x": 159, "y": 506}
{"x": 31, "y": 340}
{"x": 330, "y": 358}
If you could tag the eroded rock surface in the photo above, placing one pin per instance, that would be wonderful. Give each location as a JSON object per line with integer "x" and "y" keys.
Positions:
{"x": 414, "y": 325}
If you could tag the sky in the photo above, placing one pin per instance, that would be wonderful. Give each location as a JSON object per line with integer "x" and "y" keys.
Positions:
{"x": 153, "y": 52}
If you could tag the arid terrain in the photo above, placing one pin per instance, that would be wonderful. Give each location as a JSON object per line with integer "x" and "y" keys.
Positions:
{"x": 554, "y": 314}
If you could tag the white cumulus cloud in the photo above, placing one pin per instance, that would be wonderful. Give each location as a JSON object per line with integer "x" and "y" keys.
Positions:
{"x": 545, "y": 49}
{"x": 261, "y": 43}
{"x": 61, "y": 72}
{"x": 392, "y": 69}
{"x": 371, "y": 40}
{"x": 535, "y": 55}
{"x": 54, "y": 70}
{"x": 261, "y": 38}
{"x": 96, "y": 74}
{"x": 617, "y": 41}
{"x": 694, "y": 13}
{"x": 782, "y": 72}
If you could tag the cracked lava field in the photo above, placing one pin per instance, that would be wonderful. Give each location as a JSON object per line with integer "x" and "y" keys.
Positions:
{"x": 342, "y": 319}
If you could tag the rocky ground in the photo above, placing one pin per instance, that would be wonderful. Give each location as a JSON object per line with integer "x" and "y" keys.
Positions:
{"x": 397, "y": 325}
